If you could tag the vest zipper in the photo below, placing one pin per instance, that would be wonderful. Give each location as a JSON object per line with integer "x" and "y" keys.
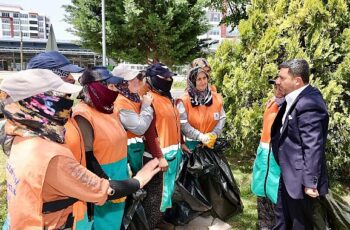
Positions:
{"x": 268, "y": 168}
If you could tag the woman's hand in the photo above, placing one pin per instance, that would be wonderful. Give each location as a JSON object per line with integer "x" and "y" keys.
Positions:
{"x": 147, "y": 99}
{"x": 147, "y": 172}
{"x": 185, "y": 149}
{"x": 163, "y": 164}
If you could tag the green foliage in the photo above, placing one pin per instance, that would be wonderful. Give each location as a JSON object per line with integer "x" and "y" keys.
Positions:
{"x": 235, "y": 10}
{"x": 276, "y": 31}
{"x": 137, "y": 30}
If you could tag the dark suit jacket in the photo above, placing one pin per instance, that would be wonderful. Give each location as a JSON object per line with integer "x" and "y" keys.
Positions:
{"x": 300, "y": 148}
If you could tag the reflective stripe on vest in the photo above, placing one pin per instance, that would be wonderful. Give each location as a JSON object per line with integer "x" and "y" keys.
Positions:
{"x": 167, "y": 121}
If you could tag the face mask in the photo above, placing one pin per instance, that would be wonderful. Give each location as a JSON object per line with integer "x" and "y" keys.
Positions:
{"x": 101, "y": 97}
{"x": 161, "y": 84}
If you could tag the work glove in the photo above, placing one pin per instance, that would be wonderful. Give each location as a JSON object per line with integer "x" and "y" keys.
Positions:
{"x": 212, "y": 139}
{"x": 203, "y": 138}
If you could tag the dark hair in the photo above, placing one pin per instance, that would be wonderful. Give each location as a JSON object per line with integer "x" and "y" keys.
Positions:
{"x": 297, "y": 67}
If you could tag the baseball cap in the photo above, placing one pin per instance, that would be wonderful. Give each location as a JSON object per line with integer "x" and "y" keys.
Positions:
{"x": 200, "y": 62}
{"x": 124, "y": 71}
{"x": 99, "y": 73}
{"x": 271, "y": 81}
{"x": 159, "y": 69}
{"x": 28, "y": 83}
{"x": 53, "y": 60}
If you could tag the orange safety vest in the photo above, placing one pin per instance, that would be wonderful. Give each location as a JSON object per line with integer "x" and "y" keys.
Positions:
{"x": 26, "y": 169}
{"x": 167, "y": 122}
{"x": 269, "y": 117}
{"x": 203, "y": 118}
{"x": 75, "y": 142}
{"x": 124, "y": 103}
{"x": 110, "y": 138}
{"x": 110, "y": 150}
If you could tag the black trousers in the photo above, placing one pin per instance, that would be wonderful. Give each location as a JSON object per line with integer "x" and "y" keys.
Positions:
{"x": 298, "y": 214}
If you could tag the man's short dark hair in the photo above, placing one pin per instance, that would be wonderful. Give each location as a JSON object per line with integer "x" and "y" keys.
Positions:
{"x": 297, "y": 67}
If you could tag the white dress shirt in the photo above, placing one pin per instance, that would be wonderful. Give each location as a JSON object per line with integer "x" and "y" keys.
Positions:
{"x": 290, "y": 98}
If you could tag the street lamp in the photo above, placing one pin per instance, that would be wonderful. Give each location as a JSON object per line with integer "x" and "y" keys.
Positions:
{"x": 103, "y": 34}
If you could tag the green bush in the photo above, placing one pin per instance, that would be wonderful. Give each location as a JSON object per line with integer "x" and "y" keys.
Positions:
{"x": 276, "y": 31}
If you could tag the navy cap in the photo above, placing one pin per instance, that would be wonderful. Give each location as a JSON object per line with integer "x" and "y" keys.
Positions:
{"x": 272, "y": 81}
{"x": 53, "y": 60}
{"x": 99, "y": 73}
{"x": 159, "y": 69}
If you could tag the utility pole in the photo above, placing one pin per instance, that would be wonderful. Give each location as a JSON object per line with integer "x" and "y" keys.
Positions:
{"x": 21, "y": 42}
{"x": 103, "y": 34}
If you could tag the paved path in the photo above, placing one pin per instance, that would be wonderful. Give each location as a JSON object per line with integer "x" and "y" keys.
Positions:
{"x": 204, "y": 223}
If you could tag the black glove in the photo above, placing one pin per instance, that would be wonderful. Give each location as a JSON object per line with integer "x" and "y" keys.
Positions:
{"x": 123, "y": 188}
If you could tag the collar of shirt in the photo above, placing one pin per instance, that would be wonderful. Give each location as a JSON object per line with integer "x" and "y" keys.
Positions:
{"x": 290, "y": 98}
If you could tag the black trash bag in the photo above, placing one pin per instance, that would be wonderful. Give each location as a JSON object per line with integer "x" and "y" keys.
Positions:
{"x": 218, "y": 183}
{"x": 134, "y": 215}
{"x": 189, "y": 200}
{"x": 338, "y": 211}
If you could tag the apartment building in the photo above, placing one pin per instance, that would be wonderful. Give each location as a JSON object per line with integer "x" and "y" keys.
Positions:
{"x": 15, "y": 20}
{"x": 216, "y": 31}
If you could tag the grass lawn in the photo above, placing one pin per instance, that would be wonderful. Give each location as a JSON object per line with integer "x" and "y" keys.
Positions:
{"x": 241, "y": 171}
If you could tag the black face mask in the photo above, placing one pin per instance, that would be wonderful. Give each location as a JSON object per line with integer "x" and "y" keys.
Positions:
{"x": 163, "y": 86}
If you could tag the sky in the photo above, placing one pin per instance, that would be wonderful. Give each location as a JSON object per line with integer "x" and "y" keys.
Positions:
{"x": 52, "y": 9}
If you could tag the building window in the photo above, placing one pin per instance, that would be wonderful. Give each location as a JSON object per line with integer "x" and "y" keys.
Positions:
{"x": 16, "y": 27}
{"x": 16, "y": 21}
{"x": 24, "y": 28}
{"x": 24, "y": 15}
{"x": 32, "y": 16}
{"x": 33, "y": 28}
{"x": 41, "y": 24}
{"x": 5, "y": 26}
{"x": 24, "y": 22}
{"x": 5, "y": 14}
{"x": 16, "y": 15}
{"x": 33, "y": 22}
{"x": 41, "y": 30}
{"x": 25, "y": 34}
{"x": 40, "y": 18}
{"x": 17, "y": 33}
{"x": 214, "y": 31}
{"x": 215, "y": 17}
{"x": 6, "y": 33}
{"x": 5, "y": 20}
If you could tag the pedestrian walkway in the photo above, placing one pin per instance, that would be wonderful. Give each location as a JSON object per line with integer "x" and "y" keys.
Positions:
{"x": 204, "y": 223}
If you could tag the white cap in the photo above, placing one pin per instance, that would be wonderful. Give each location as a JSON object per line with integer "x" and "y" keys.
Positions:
{"x": 124, "y": 71}
{"x": 31, "y": 82}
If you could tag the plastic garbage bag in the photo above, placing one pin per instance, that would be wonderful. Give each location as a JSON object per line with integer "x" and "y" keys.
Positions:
{"x": 134, "y": 215}
{"x": 218, "y": 184}
{"x": 337, "y": 210}
{"x": 205, "y": 184}
{"x": 189, "y": 200}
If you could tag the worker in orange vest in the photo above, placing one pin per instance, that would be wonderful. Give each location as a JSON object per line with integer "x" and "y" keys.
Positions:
{"x": 163, "y": 141}
{"x": 135, "y": 112}
{"x": 266, "y": 172}
{"x": 41, "y": 170}
{"x": 201, "y": 110}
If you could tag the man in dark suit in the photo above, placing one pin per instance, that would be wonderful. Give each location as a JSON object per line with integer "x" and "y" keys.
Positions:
{"x": 299, "y": 135}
